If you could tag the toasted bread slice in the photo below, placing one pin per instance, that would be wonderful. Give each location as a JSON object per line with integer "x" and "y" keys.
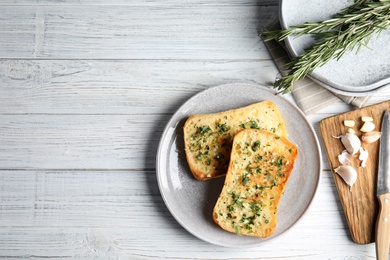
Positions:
{"x": 260, "y": 165}
{"x": 208, "y": 137}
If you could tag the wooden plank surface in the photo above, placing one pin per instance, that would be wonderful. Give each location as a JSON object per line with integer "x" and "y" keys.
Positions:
{"x": 120, "y": 214}
{"x": 116, "y": 86}
{"x": 80, "y": 141}
{"x": 359, "y": 202}
{"x": 192, "y": 3}
{"x": 86, "y": 88}
{"x": 133, "y": 32}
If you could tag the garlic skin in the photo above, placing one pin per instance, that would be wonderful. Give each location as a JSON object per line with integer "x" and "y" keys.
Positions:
{"x": 351, "y": 142}
{"x": 345, "y": 157}
{"x": 363, "y": 156}
{"x": 371, "y": 137}
{"x": 348, "y": 174}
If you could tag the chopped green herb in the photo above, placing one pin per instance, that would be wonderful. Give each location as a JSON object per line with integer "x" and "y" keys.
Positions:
{"x": 259, "y": 157}
{"x": 203, "y": 130}
{"x": 243, "y": 218}
{"x": 279, "y": 161}
{"x": 245, "y": 179}
{"x": 256, "y": 145}
{"x": 236, "y": 227}
{"x": 222, "y": 128}
{"x": 208, "y": 161}
{"x": 254, "y": 124}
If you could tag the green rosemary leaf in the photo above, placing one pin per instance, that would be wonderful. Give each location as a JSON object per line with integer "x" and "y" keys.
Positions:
{"x": 352, "y": 28}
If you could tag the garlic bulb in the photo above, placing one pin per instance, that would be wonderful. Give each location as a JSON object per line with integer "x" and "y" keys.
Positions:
{"x": 371, "y": 137}
{"x": 351, "y": 142}
{"x": 348, "y": 173}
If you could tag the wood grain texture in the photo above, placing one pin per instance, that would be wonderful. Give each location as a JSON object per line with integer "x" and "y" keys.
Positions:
{"x": 133, "y": 32}
{"x": 360, "y": 203}
{"x": 382, "y": 229}
{"x": 140, "y": 2}
{"x": 86, "y": 89}
{"x": 80, "y": 141}
{"x": 117, "y": 86}
{"x": 120, "y": 214}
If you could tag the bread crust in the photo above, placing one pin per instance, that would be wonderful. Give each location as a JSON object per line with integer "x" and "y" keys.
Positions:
{"x": 208, "y": 137}
{"x": 260, "y": 166}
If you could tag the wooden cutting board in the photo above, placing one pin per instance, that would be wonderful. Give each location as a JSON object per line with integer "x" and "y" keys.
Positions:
{"x": 360, "y": 203}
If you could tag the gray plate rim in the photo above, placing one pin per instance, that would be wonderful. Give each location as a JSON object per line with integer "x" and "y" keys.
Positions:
{"x": 172, "y": 172}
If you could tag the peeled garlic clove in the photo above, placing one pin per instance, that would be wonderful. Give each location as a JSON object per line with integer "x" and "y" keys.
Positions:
{"x": 351, "y": 142}
{"x": 371, "y": 137}
{"x": 349, "y": 123}
{"x": 363, "y": 156}
{"x": 367, "y": 119}
{"x": 345, "y": 157}
{"x": 368, "y": 126}
{"x": 348, "y": 173}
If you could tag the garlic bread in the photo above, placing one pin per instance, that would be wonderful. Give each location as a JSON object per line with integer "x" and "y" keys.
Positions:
{"x": 208, "y": 137}
{"x": 260, "y": 165}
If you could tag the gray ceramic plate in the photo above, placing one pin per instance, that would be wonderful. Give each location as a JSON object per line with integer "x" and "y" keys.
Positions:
{"x": 357, "y": 93}
{"x": 364, "y": 74}
{"x": 191, "y": 202}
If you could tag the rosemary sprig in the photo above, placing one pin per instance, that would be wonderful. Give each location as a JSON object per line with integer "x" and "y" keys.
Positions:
{"x": 350, "y": 28}
{"x": 338, "y": 20}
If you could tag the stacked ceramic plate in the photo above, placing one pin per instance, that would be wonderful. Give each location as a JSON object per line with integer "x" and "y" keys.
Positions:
{"x": 359, "y": 74}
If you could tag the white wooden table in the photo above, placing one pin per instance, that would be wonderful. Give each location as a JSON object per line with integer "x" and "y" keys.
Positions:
{"x": 86, "y": 88}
